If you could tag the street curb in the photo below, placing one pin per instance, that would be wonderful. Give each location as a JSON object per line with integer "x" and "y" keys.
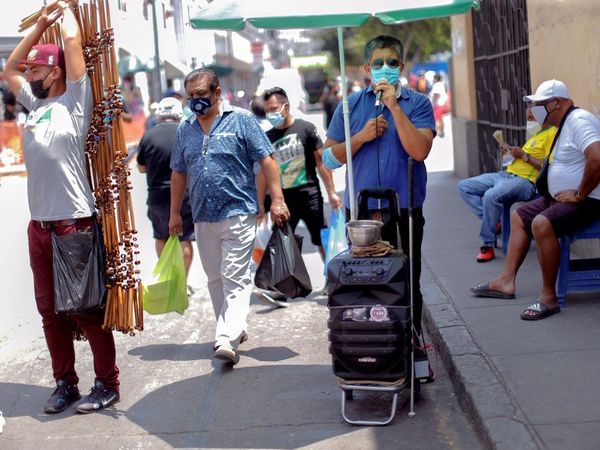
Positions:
{"x": 498, "y": 420}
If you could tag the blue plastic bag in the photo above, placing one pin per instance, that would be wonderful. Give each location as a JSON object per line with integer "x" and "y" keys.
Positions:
{"x": 336, "y": 239}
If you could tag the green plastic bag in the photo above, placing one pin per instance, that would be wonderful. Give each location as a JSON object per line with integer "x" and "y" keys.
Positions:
{"x": 167, "y": 291}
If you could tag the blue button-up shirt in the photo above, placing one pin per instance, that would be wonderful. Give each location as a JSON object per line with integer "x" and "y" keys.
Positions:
{"x": 392, "y": 156}
{"x": 220, "y": 165}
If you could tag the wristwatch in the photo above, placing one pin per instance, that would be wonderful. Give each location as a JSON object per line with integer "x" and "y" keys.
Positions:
{"x": 578, "y": 196}
{"x": 526, "y": 157}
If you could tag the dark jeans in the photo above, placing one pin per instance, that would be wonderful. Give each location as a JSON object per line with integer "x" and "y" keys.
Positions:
{"x": 418, "y": 226}
{"x": 58, "y": 328}
{"x": 305, "y": 203}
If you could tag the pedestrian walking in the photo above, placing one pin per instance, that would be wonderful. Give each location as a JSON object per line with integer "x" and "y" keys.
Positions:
{"x": 214, "y": 154}
{"x": 56, "y": 90}
{"x": 151, "y": 120}
{"x": 153, "y": 159}
{"x": 383, "y": 138}
{"x": 329, "y": 100}
{"x": 297, "y": 147}
{"x": 439, "y": 99}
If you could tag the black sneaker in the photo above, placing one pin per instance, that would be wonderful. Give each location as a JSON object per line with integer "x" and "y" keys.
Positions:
{"x": 63, "y": 396}
{"x": 98, "y": 398}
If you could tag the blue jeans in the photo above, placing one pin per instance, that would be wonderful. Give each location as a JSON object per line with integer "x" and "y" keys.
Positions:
{"x": 486, "y": 195}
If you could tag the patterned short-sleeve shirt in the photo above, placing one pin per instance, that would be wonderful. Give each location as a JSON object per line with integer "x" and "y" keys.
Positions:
{"x": 219, "y": 165}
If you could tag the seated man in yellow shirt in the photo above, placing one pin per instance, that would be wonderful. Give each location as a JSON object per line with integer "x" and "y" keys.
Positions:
{"x": 487, "y": 193}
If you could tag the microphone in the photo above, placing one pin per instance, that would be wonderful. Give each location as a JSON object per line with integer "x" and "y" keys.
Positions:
{"x": 378, "y": 99}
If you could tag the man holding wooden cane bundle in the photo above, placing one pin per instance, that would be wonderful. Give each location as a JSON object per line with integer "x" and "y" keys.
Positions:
{"x": 56, "y": 90}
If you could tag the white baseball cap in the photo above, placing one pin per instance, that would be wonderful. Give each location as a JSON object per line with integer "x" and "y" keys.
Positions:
{"x": 169, "y": 107}
{"x": 547, "y": 90}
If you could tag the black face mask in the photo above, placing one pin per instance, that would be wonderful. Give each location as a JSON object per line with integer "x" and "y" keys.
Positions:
{"x": 37, "y": 88}
{"x": 200, "y": 105}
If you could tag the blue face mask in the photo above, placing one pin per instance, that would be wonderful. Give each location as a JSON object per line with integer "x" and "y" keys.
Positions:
{"x": 391, "y": 74}
{"x": 276, "y": 119}
{"x": 200, "y": 105}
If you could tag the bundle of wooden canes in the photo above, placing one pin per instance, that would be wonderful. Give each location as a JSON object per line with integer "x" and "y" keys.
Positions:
{"x": 106, "y": 155}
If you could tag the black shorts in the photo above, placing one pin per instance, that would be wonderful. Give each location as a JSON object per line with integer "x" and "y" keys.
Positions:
{"x": 564, "y": 217}
{"x": 159, "y": 210}
{"x": 305, "y": 203}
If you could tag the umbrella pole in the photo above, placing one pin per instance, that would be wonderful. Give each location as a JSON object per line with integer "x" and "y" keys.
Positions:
{"x": 346, "y": 111}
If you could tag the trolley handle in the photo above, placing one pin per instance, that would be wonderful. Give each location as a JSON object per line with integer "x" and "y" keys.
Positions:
{"x": 411, "y": 163}
{"x": 381, "y": 192}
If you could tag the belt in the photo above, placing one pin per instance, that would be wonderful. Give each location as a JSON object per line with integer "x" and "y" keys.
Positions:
{"x": 49, "y": 224}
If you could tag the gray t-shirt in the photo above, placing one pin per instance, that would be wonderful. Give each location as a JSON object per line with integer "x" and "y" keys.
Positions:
{"x": 54, "y": 143}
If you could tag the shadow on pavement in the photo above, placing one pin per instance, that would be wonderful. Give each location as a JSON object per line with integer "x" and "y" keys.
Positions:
{"x": 283, "y": 406}
{"x": 196, "y": 352}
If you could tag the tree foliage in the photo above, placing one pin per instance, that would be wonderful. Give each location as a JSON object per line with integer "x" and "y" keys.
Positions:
{"x": 420, "y": 39}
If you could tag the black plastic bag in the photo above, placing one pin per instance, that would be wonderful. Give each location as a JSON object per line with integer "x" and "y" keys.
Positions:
{"x": 79, "y": 281}
{"x": 541, "y": 182}
{"x": 282, "y": 268}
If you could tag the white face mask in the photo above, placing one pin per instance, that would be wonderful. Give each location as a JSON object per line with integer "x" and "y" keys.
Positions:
{"x": 533, "y": 128}
{"x": 539, "y": 113}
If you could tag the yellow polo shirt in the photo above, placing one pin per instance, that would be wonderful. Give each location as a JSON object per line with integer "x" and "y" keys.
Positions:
{"x": 537, "y": 146}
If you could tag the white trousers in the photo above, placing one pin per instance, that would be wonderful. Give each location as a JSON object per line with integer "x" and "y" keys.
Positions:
{"x": 225, "y": 252}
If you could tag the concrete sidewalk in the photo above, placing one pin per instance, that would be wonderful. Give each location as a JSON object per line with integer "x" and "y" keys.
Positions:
{"x": 525, "y": 384}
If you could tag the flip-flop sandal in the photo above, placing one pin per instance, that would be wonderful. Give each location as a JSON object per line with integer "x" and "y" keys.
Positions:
{"x": 484, "y": 290}
{"x": 540, "y": 310}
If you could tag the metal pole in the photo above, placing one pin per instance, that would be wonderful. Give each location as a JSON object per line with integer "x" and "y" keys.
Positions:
{"x": 411, "y": 275}
{"x": 156, "y": 78}
{"x": 346, "y": 112}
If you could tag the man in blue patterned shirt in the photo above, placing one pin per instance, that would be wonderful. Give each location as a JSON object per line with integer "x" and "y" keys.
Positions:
{"x": 214, "y": 154}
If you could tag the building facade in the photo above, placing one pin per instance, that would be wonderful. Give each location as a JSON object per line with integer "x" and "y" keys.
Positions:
{"x": 505, "y": 50}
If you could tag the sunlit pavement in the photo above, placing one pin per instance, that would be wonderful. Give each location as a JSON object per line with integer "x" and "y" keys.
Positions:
{"x": 282, "y": 394}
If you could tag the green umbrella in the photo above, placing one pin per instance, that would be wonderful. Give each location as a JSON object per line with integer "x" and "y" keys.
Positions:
{"x": 300, "y": 14}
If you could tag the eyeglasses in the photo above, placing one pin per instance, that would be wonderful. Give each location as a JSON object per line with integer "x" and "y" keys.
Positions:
{"x": 390, "y": 62}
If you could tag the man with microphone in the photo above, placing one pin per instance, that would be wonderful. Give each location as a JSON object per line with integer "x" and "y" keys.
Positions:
{"x": 388, "y": 124}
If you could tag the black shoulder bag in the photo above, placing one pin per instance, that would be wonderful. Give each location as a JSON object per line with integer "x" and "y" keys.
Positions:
{"x": 541, "y": 182}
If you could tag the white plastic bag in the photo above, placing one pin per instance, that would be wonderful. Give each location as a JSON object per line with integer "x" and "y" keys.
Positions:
{"x": 264, "y": 230}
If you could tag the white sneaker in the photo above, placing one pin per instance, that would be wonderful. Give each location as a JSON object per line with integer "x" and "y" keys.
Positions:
{"x": 227, "y": 354}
